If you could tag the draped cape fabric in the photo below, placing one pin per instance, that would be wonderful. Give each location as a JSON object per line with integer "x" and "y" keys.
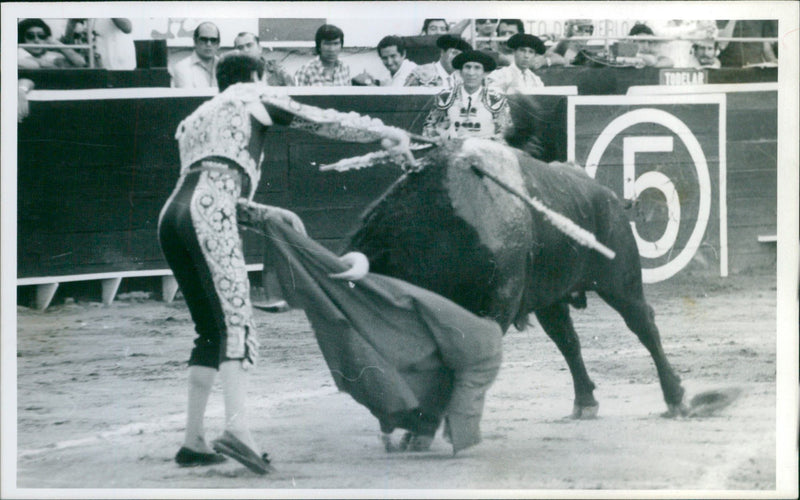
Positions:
{"x": 400, "y": 350}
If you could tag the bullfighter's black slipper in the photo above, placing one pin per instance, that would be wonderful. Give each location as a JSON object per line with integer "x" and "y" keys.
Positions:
{"x": 231, "y": 446}
{"x": 191, "y": 458}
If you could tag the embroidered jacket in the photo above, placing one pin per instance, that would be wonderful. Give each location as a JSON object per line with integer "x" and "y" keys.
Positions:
{"x": 457, "y": 114}
{"x": 222, "y": 126}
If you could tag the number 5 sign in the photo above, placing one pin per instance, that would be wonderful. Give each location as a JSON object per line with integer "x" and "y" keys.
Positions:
{"x": 666, "y": 154}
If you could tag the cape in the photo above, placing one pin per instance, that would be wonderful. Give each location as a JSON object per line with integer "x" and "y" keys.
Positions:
{"x": 409, "y": 355}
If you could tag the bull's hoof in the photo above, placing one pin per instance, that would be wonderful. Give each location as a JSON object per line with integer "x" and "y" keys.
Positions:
{"x": 585, "y": 412}
{"x": 388, "y": 445}
{"x": 676, "y": 411}
{"x": 415, "y": 442}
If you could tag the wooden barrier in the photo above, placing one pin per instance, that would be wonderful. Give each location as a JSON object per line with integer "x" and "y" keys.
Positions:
{"x": 95, "y": 167}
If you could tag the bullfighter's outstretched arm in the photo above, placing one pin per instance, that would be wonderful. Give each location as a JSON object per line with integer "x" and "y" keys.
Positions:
{"x": 349, "y": 127}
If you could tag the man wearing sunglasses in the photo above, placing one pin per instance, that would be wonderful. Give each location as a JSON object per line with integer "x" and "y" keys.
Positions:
{"x": 484, "y": 28}
{"x": 197, "y": 70}
{"x": 34, "y": 31}
{"x": 566, "y": 48}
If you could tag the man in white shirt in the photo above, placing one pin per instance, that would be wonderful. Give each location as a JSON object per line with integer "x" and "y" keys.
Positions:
{"x": 274, "y": 74}
{"x": 114, "y": 48}
{"x": 470, "y": 109}
{"x": 518, "y": 78}
{"x": 198, "y": 70}
{"x": 704, "y": 55}
{"x": 392, "y": 52}
{"x": 440, "y": 73}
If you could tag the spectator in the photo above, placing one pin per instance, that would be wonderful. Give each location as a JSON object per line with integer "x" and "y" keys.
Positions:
{"x": 36, "y": 31}
{"x": 704, "y": 54}
{"x": 567, "y": 48}
{"x": 440, "y": 73}
{"x": 392, "y": 52}
{"x": 325, "y": 70}
{"x": 510, "y": 27}
{"x": 470, "y": 109}
{"x": 739, "y": 54}
{"x": 648, "y": 54}
{"x": 485, "y": 28}
{"x": 679, "y": 49}
{"x": 198, "y": 70}
{"x": 507, "y": 28}
{"x": 76, "y": 32}
{"x": 113, "y": 44}
{"x": 422, "y": 49}
{"x": 274, "y": 74}
{"x": 518, "y": 77}
{"x": 435, "y": 27}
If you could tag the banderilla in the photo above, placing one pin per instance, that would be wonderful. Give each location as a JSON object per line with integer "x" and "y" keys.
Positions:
{"x": 561, "y": 222}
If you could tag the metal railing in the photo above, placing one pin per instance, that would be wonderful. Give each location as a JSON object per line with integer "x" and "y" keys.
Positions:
{"x": 61, "y": 46}
{"x": 607, "y": 39}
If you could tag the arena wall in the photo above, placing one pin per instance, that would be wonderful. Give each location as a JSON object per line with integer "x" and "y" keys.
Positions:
{"x": 95, "y": 167}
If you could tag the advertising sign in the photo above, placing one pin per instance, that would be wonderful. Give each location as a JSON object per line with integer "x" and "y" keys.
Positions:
{"x": 685, "y": 76}
{"x": 665, "y": 155}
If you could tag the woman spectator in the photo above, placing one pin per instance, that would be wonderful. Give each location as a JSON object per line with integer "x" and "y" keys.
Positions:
{"x": 36, "y": 31}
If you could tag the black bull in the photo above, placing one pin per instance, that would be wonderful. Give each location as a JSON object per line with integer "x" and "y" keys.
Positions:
{"x": 449, "y": 230}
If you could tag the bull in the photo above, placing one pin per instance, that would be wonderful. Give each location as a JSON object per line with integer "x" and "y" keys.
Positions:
{"x": 466, "y": 237}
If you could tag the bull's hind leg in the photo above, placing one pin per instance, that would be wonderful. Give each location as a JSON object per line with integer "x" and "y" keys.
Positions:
{"x": 557, "y": 323}
{"x": 639, "y": 317}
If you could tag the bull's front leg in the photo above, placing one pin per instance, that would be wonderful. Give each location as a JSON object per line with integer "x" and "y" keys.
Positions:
{"x": 557, "y": 324}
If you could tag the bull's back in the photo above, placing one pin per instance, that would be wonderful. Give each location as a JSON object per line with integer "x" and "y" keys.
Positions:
{"x": 560, "y": 265}
{"x": 442, "y": 229}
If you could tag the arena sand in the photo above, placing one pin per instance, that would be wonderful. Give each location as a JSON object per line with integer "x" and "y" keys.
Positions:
{"x": 101, "y": 395}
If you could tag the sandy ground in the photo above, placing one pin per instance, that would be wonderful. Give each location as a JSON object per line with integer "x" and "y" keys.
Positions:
{"x": 101, "y": 395}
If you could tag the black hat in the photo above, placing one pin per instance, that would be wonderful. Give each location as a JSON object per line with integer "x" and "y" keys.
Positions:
{"x": 485, "y": 59}
{"x": 445, "y": 42}
{"x": 525, "y": 40}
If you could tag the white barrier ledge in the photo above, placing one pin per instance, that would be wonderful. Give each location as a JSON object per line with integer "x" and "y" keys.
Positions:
{"x": 711, "y": 88}
{"x": 46, "y": 286}
{"x": 162, "y": 92}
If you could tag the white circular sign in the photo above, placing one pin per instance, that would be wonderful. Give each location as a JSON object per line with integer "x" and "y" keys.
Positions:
{"x": 660, "y": 117}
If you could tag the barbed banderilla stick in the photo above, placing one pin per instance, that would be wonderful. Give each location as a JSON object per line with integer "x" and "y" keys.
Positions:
{"x": 561, "y": 222}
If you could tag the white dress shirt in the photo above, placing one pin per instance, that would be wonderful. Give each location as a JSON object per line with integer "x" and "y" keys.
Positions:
{"x": 511, "y": 79}
{"x": 192, "y": 72}
{"x": 113, "y": 46}
{"x": 399, "y": 78}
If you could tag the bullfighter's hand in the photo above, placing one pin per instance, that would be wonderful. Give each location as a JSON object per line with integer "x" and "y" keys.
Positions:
{"x": 290, "y": 218}
{"x": 398, "y": 143}
{"x": 24, "y": 86}
{"x": 359, "y": 267}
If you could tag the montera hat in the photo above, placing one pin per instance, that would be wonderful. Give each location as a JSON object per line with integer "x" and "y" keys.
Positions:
{"x": 445, "y": 42}
{"x": 477, "y": 56}
{"x": 525, "y": 40}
